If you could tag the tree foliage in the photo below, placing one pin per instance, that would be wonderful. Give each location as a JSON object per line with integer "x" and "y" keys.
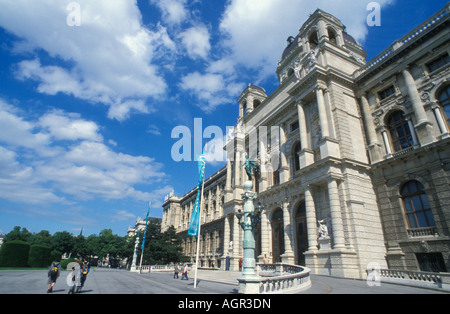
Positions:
{"x": 160, "y": 248}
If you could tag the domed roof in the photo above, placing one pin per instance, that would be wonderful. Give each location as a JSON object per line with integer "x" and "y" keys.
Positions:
{"x": 349, "y": 38}
{"x": 292, "y": 43}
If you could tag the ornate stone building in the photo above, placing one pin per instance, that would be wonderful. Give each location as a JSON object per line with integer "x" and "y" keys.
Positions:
{"x": 361, "y": 147}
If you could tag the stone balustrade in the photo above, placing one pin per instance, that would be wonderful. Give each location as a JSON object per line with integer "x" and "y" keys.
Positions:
{"x": 277, "y": 278}
{"x": 413, "y": 278}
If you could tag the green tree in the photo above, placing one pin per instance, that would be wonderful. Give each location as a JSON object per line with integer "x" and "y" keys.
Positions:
{"x": 63, "y": 242}
{"x": 18, "y": 234}
{"x": 80, "y": 248}
{"x": 42, "y": 238}
{"x": 162, "y": 248}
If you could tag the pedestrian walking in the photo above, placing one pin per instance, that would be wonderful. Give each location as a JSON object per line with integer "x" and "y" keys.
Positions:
{"x": 176, "y": 271}
{"x": 53, "y": 275}
{"x": 184, "y": 272}
{"x": 84, "y": 270}
{"x": 240, "y": 264}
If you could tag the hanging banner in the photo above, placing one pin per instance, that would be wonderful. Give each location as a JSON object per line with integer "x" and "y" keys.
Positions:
{"x": 195, "y": 218}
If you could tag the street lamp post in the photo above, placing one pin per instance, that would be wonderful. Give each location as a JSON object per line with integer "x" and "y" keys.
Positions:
{"x": 133, "y": 265}
{"x": 251, "y": 217}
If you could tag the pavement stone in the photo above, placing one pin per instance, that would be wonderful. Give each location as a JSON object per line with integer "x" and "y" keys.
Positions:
{"x": 112, "y": 281}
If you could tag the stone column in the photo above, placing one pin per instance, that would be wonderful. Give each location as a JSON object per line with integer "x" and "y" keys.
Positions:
{"x": 228, "y": 188}
{"x": 265, "y": 241}
{"x": 311, "y": 220}
{"x": 387, "y": 144}
{"x": 288, "y": 256}
{"x": 413, "y": 133}
{"x": 440, "y": 120}
{"x": 306, "y": 156}
{"x": 423, "y": 127}
{"x": 237, "y": 170}
{"x": 328, "y": 146}
{"x": 336, "y": 216}
{"x": 368, "y": 121}
{"x": 414, "y": 96}
{"x": 236, "y": 244}
{"x": 226, "y": 235}
{"x": 323, "y": 117}
{"x": 329, "y": 113}
{"x": 284, "y": 169}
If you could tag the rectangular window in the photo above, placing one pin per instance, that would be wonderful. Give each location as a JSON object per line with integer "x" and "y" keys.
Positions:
{"x": 431, "y": 262}
{"x": 294, "y": 126}
{"x": 385, "y": 93}
{"x": 438, "y": 63}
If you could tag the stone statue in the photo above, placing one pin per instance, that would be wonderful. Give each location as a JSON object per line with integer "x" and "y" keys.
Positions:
{"x": 324, "y": 228}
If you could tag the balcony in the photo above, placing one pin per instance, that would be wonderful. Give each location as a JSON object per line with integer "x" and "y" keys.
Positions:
{"x": 423, "y": 232}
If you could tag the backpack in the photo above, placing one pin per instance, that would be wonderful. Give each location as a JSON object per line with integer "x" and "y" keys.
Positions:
{"x": 53, "y": 270}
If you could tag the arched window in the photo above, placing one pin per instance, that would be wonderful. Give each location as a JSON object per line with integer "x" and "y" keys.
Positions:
{"x": 444, "y": 100}
{"x": 256, "y": 103}
{"x": 416, "y": 205}
{"x": 332, "y": 36}
{"x": 399, "y": 130}
{"x": 313, "y": 40}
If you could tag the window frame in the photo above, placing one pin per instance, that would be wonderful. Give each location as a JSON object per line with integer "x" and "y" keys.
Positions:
{"x": 443, "y": 105}
{"x": 393, "y": 126}
{"x": 440, "y": 62}
{"x": 414, "y": 198}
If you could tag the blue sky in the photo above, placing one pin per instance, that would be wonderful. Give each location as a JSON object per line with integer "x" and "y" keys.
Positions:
{"x": 87, "y": 112}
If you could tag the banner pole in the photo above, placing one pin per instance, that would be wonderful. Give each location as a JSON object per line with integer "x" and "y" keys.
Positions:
{"x": 199, "y": 227}
{"x": 143, "y": 240}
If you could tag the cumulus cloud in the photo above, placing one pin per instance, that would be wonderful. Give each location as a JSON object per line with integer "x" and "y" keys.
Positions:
{"x": 35, "y": 167}
{"x": 256, "y": 31}
{"x": 110, "y": 58}
{"x": 211, "y": 89}
{"x": 252, "y": 36}
{"x": 173, "y": 11}
{"x": 196, "y": 41}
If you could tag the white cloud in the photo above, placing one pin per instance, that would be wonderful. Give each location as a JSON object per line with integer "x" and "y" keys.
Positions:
{"x": 211, "y": 89}
{"x": 256, "y": 31}
{"x": 110, "y": 58}
{"x": 36, "y": 168}
{"x": 253, "y": 36}
{"x": 62, "y": 126}
{"x": 196, "y": 41}
{"x": 173, "y": 11}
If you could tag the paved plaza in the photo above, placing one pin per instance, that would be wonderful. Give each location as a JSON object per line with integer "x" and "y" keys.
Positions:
{"x": 111, "y": 281}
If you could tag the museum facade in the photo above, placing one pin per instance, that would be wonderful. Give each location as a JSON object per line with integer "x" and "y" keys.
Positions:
{"x": 359, "y": 148}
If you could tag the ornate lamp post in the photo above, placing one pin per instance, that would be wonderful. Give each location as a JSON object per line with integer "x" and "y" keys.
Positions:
{"x": 251, "y": 217}
{"x": 133, "y": 265}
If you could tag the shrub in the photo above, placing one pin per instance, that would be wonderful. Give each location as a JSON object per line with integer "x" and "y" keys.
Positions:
{"x": 55, "y": 256}
{"x": 14, "y": 254}
{"x": 66, "y": 262}
{"x": 40, "y": 256}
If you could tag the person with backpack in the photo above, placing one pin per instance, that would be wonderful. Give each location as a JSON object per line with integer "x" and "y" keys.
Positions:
{"x": 53, "y": 275}
{"x": 84, "y": 270}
